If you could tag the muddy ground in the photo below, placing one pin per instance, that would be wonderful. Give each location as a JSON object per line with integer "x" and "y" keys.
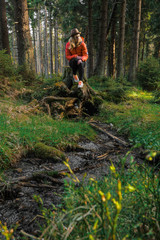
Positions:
{"x": 30, "y": 177}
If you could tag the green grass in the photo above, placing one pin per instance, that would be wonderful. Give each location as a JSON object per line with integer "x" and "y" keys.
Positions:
{"x": 122, "y": 205}
{"x": 18, "y": 135}
{"x": 137, "y": 117}
{"x": 141, "y": 122}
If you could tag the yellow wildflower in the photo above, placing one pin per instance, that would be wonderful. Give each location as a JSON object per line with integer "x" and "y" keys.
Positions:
{"x": 91, "y": 237}
{"x": 95, "y": 225}
{"x": 112, "y": 168}
{"x": 117, "y": 204}
{"x": 154, "y": 154}
{"x": 130, "y": 188}
{"x": 119, "y": 190}
{"x": 108, "y": 195}
{"x": 102, "y": 196}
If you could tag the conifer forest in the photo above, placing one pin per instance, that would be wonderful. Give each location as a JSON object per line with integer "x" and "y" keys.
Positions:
{"x": 79, "y": 119}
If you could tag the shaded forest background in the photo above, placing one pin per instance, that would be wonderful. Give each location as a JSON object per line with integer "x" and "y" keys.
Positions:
{"x": 118, "y": 34}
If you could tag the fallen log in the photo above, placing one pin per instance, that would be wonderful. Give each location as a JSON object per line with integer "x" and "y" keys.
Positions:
{"x": 109, "y": 134}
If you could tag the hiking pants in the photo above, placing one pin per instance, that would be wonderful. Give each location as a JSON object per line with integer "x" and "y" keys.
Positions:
{"x": 73, "y": 63}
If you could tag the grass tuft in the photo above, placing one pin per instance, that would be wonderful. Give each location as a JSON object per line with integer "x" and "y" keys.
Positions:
{"x": 107, "y": 208}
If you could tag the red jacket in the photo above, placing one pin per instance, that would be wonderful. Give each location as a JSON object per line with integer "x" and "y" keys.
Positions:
{"x": 81, "y": 51}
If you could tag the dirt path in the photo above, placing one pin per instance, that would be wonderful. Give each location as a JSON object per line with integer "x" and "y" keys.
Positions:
{"x": 34, "y": 176}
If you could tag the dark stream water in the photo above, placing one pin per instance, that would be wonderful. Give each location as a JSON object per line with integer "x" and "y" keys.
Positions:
{"x": 17, "y": 204}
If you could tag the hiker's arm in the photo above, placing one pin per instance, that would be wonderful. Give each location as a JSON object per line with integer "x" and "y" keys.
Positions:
{"x": 84, "y": 52}
{"x": 69, "y": 56}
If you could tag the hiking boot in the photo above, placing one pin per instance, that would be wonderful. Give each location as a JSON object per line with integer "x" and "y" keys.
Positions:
{"x": 80, "y": 84}
{"x": 76, "y": 79}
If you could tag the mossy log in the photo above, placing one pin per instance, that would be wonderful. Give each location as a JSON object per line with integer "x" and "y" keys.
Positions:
{"x": 46, "y": 152}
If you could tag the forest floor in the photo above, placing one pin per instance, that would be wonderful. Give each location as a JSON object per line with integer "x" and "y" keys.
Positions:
{"x": 34, "y": 176}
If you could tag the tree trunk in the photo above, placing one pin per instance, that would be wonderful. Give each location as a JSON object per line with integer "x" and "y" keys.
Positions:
{"x": 135, "y": 41}
{"x": 65, "y": 61}
{"x": 50, "y": 41}
{"x": 109, "y": 58}
{"x": 56, "y": 46}
{"x": 0, "y": 36}
{"x": 24, "y": 42}
{"x": 35, "y": 52}
{"x": 90, "y": 39}
{"x": 113, "y": 42}
{"x": 111, "y": 18}
{"x": 120, "y": 63}
{"x": 40, "y": 67}
{"x": 61, "y": 55}
{"x": 157, "y": 47}
{"x": 113, "y": 45}
{"x": 99, "y": 68}
{"x": 4, "y": 28}
{"x": 143, "y": 46}
{"x": 45, "y": 43}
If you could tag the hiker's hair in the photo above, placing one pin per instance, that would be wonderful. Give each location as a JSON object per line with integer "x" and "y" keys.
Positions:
{"x": 73, "y": 43}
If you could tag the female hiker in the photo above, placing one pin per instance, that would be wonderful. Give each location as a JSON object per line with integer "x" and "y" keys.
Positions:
{"x": 77, "y": 55}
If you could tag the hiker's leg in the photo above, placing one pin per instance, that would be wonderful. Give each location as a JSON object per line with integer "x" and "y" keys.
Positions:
{"x": 73, "y": 65}
{"x": 81, "y": 67}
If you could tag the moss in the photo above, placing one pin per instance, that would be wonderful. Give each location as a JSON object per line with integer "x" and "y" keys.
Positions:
{"x": 46, "y": 152}
{"x": 97, "y": 101}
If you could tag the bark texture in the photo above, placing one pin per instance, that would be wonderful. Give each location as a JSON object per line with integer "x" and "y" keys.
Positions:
{"x": 99, "y": 69}
{"x": 113, "y": 45}
{"x": 50, "y": 41}
{"x": 24, "y": 41}
{"x": 45, "y": 43}
{"x": 40, "y": 67}
{"x": 90, "y": 40}
{"x": 56, "y": 46}
{"x": 120, "y": 70}
{"x": 135, "y": 41}
{"x": 4, "y": 38}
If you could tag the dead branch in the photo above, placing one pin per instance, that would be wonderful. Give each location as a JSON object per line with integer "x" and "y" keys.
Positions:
{"x": 28, "y": 235}
{"x": 109, "y": 134}
{"x": 34, "y": 177}
{"x": 24, "y": 184}
{"x": 48, "y": 108}
{"x": 50, "y": 99}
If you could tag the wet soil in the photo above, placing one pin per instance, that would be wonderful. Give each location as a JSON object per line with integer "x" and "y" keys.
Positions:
{"x": 30, "y": 177}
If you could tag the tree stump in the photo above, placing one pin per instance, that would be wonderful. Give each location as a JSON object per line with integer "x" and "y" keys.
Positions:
{"x": 71, "y": 101}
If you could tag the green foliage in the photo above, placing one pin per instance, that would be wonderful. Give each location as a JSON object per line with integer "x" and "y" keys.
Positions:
{"x": 6, "y": 67}
{"x": 16, "y": 77}
{"x": 107, "y": 208}
{"x": 157, "y": 94}
{"x": 137, "y": 117}
{"x": 46, "y": 87}
{"x": 76, "y": 17}
{"x": 28, "y": 75}
{"x": 7, "y": 232}
{"x": 148, "y": 74}
{"x": 110, "y": 89}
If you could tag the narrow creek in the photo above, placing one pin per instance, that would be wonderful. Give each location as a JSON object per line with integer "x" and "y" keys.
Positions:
{"x": 30, "y": 177}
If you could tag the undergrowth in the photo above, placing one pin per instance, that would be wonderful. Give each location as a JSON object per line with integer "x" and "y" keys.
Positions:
{"x": 139, "y": 121}
{"x": 18, "y": 135}
{"x": 138, "y": 117}
{"x": 122, "y": 205}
